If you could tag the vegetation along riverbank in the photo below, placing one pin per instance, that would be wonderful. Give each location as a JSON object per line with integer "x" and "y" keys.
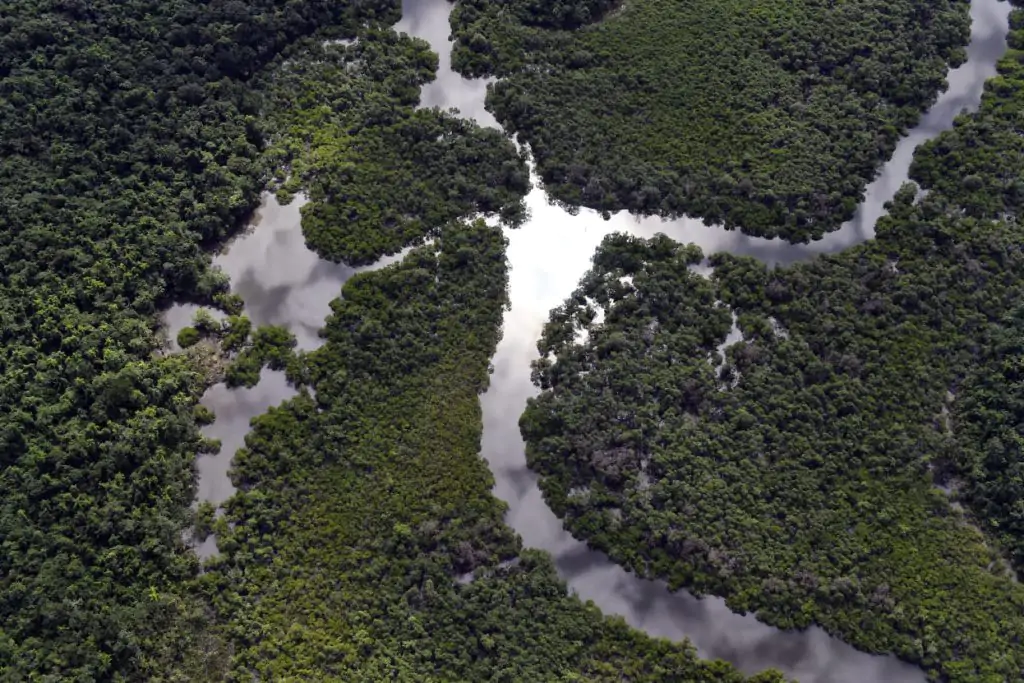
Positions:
{"x": 135, "y": 135}
{"x": 769, "y": 117}
{"x": 364, "y": 542}
{"x": 132, "y": 136}
{"x": 800, "y": 479}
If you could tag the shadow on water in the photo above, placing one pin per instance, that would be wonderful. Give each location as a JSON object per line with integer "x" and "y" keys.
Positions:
{"x": 548, "y": 256}
{"x": 284, "y": 283}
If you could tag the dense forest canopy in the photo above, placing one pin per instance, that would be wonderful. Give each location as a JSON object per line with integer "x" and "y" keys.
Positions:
{"x": 987, "y": 469}
{"x": 798, "y": 475}
{"x": 366, "y": 544}
{"x": 980, "y": 163}
{"x": 380, "y": 173}
{"x": 129, "y": 136}
{"x": 770, "y": 117}
{"x": 132, "y": 135}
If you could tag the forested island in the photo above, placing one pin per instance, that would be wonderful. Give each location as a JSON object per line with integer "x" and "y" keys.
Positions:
{"x": 769, "y": 117}
{"x": 854, "y": 461}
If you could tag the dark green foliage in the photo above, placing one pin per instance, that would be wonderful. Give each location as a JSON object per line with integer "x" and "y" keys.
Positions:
{"x": 271, "y": 346}
{"x": 564, "y": 14}
{"x": 988, "y": 424}
{"x": 203, "y": 415}
{"x": 128, "y": 138}
{"x": 189, "y": 336}
{"x": 207, "y": 446}
{"x": 205, "y": 516}
{"x": 358, "y": 511}
{"x": 206, "y": 324}
{"x": 231, "y": 304}
{"x": 798, "y": 480}
{"x": 234, "y": 332}
{"x": 274, "y": 344}
{"x": 95, "y": 485}
{"x": 244, "y": 371}
{"x": 979, "y": 161}
{"x": 770, "y": 117}
{"x": 382, "y": 174}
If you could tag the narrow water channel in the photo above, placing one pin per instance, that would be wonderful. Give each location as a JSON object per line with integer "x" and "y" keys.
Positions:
{"x": 283, "y": 283}
{"x": 550, "y": 254}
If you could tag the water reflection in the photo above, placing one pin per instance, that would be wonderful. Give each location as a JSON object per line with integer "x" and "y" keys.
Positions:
{"x": 234, "y": 409}
{"x": 549, "y": 255}
{"x": 283, "y": 283}
{"x": 428, "y": 19}
{"x": 989, "y": 25}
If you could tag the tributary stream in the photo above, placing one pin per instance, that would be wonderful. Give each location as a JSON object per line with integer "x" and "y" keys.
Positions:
{"x": 284, "y": 283}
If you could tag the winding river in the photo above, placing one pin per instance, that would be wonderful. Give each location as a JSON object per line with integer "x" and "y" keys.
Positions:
{"x": 284, "y": 283}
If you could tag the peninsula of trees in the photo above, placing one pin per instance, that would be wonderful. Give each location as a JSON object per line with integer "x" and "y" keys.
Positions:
{"x": 769, "y": 116}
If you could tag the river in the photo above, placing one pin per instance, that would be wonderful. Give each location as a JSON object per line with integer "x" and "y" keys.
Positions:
{"x": 283, "y": 283}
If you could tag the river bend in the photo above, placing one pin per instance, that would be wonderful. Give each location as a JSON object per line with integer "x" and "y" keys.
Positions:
{"x": 284, "y": 283}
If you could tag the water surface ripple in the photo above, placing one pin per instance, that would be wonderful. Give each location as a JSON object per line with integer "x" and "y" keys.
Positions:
{"x": 282, "y": 282}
